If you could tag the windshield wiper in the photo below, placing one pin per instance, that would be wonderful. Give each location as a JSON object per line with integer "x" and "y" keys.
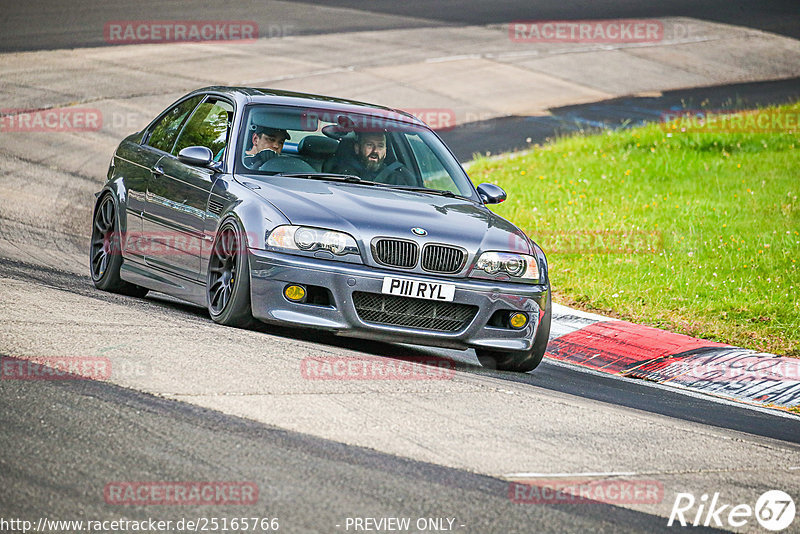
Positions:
{"x": 322, "y": 176}
{"x": 441, "y": 192}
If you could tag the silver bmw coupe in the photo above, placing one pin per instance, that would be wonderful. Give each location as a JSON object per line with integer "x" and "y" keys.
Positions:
{"x": 317, "y": 212}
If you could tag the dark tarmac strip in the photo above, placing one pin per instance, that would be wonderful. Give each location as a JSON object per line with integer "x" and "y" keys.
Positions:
{"x": 507, "y": 134}
{"x": 63, "y": 441}
{"x": 47, "y": 25}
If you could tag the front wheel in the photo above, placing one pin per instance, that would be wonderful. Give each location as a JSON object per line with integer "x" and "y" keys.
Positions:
{"x": 228, "y": 280}
{"x": 521, "y": 362}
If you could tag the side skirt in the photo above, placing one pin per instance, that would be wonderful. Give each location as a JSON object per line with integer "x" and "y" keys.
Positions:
{"x": 163, "y": 282}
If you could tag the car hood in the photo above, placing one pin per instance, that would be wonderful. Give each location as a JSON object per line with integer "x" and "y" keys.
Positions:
{"x": 369, "y": 211}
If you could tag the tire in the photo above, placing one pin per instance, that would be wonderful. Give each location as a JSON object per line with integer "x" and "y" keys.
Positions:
{"x": 228, "y": 278}
{"x": 521, "y": 362}
{"x": 105, "y": 251}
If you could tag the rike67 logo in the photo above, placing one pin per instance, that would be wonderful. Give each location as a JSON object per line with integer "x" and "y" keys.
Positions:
{"x": 774, "y": 510}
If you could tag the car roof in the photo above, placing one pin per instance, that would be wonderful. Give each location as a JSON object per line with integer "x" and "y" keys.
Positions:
{"x": 247, "y": 95}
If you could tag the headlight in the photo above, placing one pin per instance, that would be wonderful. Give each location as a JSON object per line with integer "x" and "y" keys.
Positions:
{"x": 514, "y": 265}
{"x": 312, "y": 239}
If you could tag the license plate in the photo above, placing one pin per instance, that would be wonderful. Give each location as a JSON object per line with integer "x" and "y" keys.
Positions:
{"x": 418, "y": 289}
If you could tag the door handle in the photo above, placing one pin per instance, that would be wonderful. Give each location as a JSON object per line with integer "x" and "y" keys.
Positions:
{"x": 157, "y": 171}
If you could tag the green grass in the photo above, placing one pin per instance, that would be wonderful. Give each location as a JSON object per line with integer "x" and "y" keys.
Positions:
{"x": 719, "y": 213}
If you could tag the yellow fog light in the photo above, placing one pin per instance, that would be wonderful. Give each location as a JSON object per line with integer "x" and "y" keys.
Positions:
{"x": 295, "y": 293}
{"x": 518, "y": 320}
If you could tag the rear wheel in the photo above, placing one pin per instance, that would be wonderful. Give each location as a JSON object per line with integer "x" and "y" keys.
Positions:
{"x": 521, "y": 362}
{"x": 228, "y": 280}
{"x": 105, "y": 252}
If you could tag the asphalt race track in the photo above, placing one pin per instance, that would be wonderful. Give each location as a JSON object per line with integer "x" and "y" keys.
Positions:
{"x": 48, "y": 25}
{"x": 310, "y": 484}
{"x": 189, "y": 400}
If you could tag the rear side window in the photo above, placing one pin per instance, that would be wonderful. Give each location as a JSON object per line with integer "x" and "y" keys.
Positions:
{"x": 166, "y": 129}
{"x": 208, "y": 126}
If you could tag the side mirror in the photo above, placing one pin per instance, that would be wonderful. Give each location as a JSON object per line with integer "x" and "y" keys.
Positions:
{"x": 491, "y": 194}
{"x": 198, "y": 156}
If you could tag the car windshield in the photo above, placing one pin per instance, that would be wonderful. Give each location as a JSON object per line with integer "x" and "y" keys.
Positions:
{"x": 376, "y": 149}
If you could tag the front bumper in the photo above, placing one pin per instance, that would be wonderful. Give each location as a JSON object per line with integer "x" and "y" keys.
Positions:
{"x": 271, "y": 272}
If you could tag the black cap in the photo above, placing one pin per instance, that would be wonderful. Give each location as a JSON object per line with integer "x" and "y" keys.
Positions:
{"x": 270, "y": 131}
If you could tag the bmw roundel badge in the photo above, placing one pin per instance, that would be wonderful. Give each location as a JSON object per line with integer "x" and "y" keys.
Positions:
{"x": 419, "y": 231}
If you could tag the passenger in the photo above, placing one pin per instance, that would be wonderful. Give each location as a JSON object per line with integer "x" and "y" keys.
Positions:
{"x": 267, "y": 144}
{"x": 369, "y": 161}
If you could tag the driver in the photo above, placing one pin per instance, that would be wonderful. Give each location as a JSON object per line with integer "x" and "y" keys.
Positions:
{"x": 267, "y": 144}
{"x": 369, "y": 161}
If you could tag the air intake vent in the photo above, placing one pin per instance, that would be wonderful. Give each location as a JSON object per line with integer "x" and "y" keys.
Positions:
{"x": 395, "y": 253}
{"x": 443, "y": 259}
{"x": 214, "y": 207}
{"x": 413, "y": 313}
